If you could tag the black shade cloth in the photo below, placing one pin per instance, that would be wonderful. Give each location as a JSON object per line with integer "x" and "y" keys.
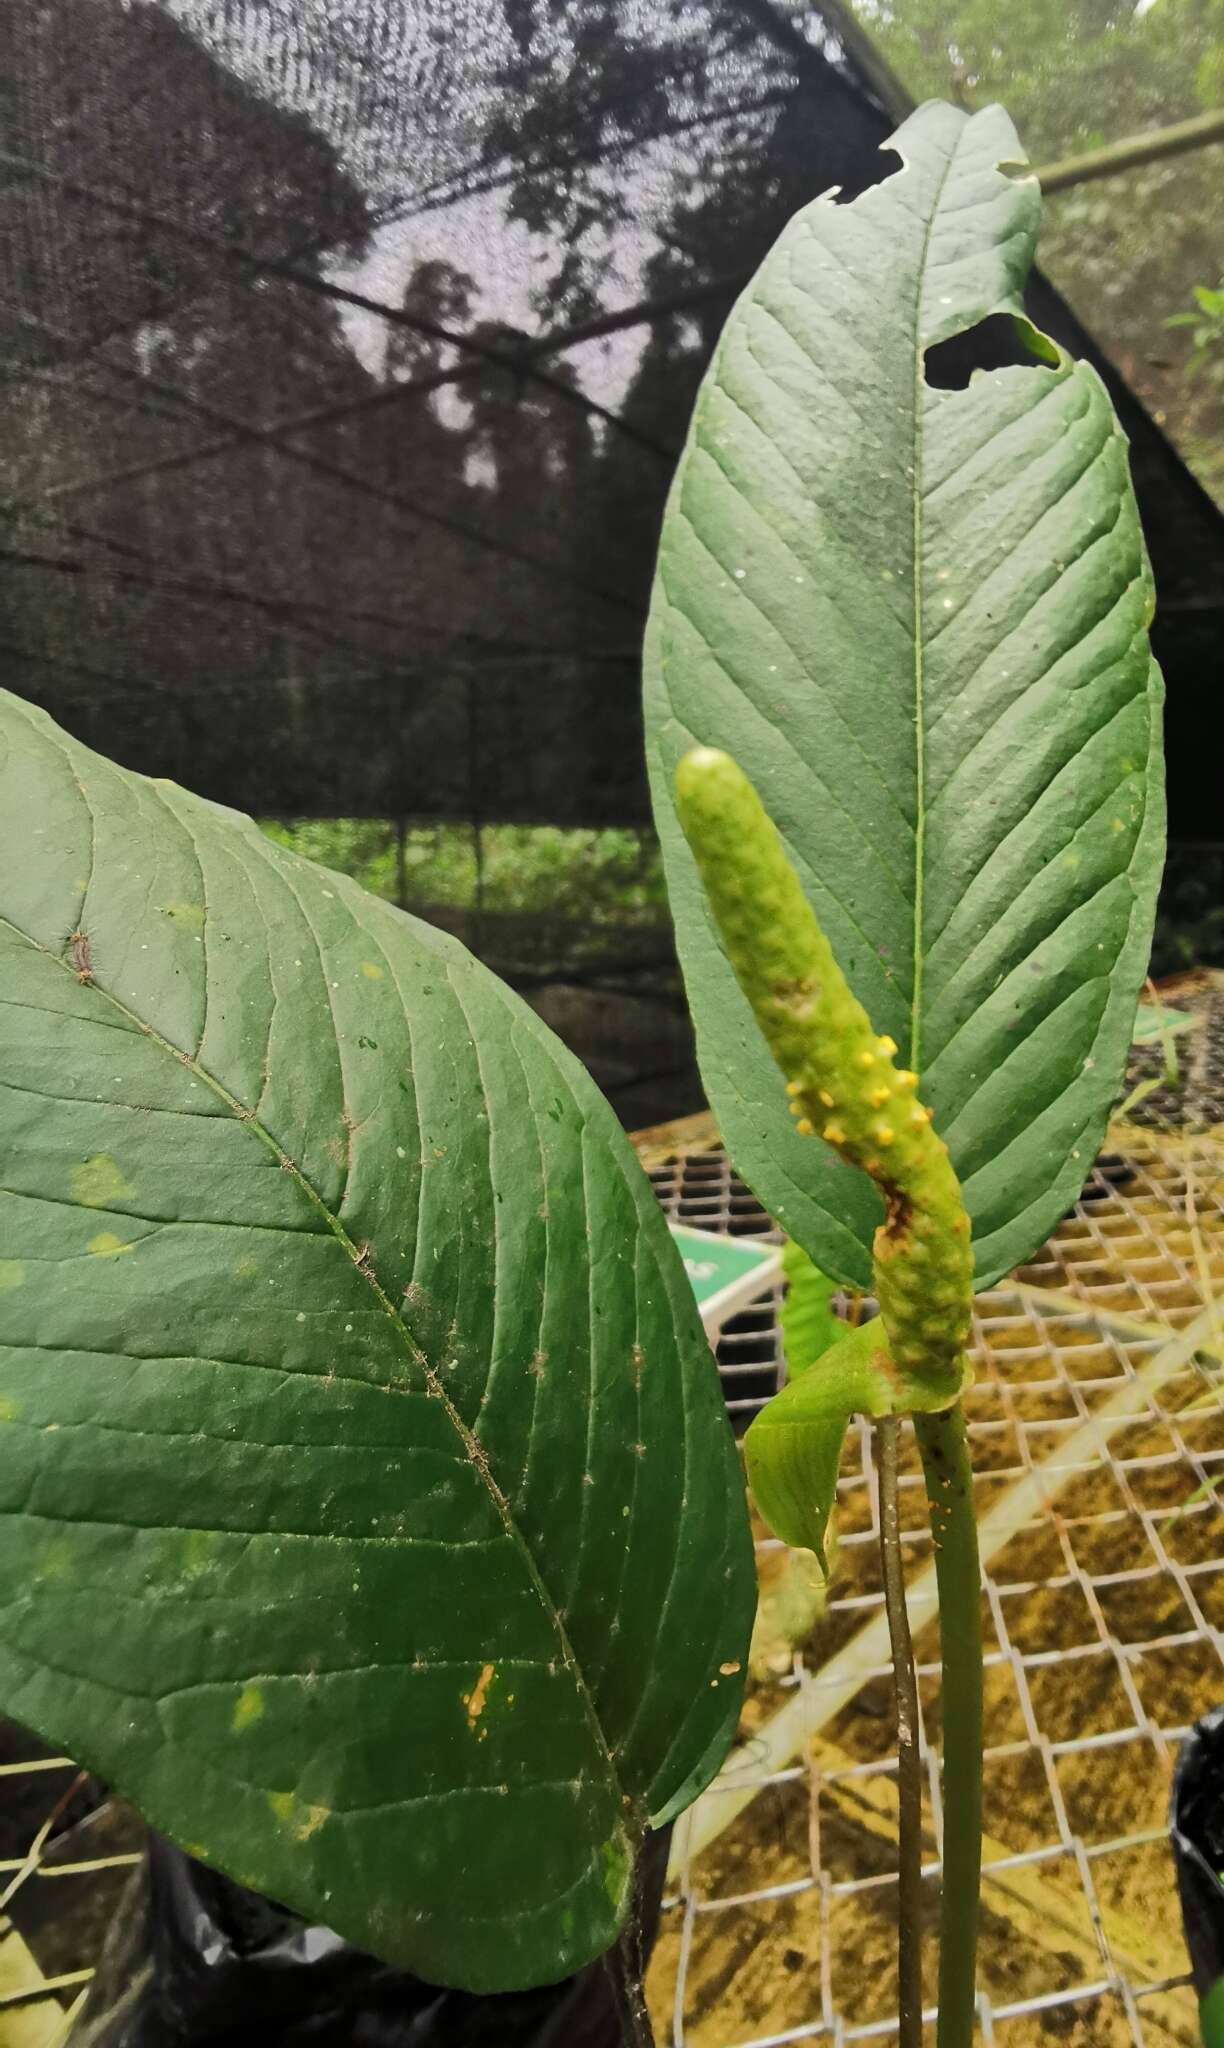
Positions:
{"x": 346, "y": 353}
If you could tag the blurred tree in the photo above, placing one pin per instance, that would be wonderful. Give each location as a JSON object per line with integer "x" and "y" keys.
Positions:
{"x": 1126, "y": 251}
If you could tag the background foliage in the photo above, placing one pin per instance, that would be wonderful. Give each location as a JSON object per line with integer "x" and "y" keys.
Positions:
{"x": 612, "y": 874}
{"x": 1127, "y": 251}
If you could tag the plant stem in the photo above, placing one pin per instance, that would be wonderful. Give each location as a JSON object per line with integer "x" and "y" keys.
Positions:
{"x": 909, "y": 1770}
{"x": 1132, "y": 150}
{"x": 944, "y": 1446}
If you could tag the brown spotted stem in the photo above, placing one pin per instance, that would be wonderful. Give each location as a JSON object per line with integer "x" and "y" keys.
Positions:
{"x": 909, "y": 1768}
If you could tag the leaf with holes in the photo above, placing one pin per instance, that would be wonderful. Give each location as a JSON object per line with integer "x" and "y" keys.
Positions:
{"x": 913, "y": 604}
{"x": 369, "y": 1510}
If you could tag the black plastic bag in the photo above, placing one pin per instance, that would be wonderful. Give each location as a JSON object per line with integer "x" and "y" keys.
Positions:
{"x": 1196, "y": 1830}
{"x": 194, "y": 1961}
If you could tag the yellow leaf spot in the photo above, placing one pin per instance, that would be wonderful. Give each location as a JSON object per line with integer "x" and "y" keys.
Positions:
{"x": 616, "y": 1871}
{"x": 198, "y": 1548}
{"x": 12, "y": 1274}
{"x": 107, "y": 1246}
{"x": 920, "y": 1116}
{"x": 906, "y": 1079}
{"x": 371, "y": 970}
{"x": 1116, "y": 825}
{"x": 883, "y": 1134}
{"x": 189, "y": 914}
{"x": 9, "y": 1410}
{"x": 728, "y": 1670}
{"x": 865, "y": 1059}
{"x": 304, "y": 1819}
{"x": 249, "y": 1708}
{"x": 834, "y": 1133}
{"x": 887, "y": 1045}
{"x": 804, "y": 1127}
{"x": 99, "y": 1184}
{"x": 826, "y": 1098}
{"x": 877, "y": 1097}
{"x": 246, "y": 1268}
{"x": 474, "y": 1701}
{"x": 794, "y": 1087}
{"x": 56, "y": 1561}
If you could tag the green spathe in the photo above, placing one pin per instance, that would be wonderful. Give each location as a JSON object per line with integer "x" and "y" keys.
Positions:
{"x": 918, "y": 620}
{"x": 370, "y": 1515}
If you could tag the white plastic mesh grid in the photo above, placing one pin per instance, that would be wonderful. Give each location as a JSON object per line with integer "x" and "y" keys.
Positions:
{"x": 1095, "y": 1430}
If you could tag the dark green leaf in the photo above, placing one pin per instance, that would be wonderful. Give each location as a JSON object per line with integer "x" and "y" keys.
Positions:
{"x": 917, "y": 617}
{"x": 370, "y": 1514}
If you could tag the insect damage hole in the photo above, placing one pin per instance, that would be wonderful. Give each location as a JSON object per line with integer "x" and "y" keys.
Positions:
{"x": 999, "y": 342}
{"x": 868, "y": 167}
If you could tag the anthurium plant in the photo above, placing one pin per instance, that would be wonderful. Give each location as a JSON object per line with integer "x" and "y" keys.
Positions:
{"x": 903, "y": 727}
{"x": 369, "y": 1513}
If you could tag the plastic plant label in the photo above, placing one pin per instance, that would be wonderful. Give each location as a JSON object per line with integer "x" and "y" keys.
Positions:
{"x": 725, "y": 1273}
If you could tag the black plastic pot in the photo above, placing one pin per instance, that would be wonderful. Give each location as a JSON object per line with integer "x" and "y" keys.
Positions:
{"x": 194, "y": 1961}
{"x": 1196, "y": 1830}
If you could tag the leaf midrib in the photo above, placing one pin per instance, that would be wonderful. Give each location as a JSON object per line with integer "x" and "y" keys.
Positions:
{"x": 474, "y": 1453}
{"x": 920, "y": 815}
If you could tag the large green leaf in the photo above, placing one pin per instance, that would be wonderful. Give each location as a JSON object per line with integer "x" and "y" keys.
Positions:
{"x": 918, "y": 617}
{"x": 369, "y": 1510}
